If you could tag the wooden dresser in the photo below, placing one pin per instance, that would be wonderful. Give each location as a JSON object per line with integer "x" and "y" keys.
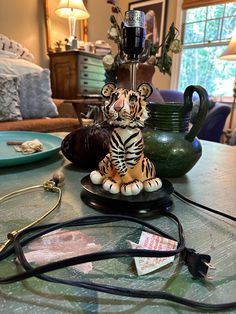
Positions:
{"x": 76, "y": 74}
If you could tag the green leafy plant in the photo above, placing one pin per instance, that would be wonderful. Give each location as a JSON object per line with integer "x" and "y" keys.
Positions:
{"x": 58, "y": 43}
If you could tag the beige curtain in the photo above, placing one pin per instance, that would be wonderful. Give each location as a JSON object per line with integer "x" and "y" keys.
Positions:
{"x": 189, "y": 4}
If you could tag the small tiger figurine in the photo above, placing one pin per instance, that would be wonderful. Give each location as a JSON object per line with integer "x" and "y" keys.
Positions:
{"x": 125, "y": 169}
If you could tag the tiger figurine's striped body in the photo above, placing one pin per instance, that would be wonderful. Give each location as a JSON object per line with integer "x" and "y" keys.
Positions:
{"x": 125, "y": 169}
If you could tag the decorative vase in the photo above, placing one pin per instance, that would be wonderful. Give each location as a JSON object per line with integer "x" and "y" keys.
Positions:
{"x": 172, "y": 147}
{"x": 144, "y": 73}
{"x": 87, "y": 145}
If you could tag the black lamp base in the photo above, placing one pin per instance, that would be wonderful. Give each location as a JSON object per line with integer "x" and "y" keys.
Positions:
{"x": 144, "y": 204}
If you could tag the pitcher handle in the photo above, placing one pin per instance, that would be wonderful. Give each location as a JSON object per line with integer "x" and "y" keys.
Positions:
{"x": 202, "y": 111}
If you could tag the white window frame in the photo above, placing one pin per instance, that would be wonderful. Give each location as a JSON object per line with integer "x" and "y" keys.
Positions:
{"x": 177, "y": 57}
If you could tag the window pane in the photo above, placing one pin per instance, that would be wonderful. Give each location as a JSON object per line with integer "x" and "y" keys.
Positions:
{"x": 215, "y": 11}
{"x": 194, "y": 33}
{"x": 229, "y": 23}
{"x": 194, "y": 15}
{"x": 212, "y": 30}
{"x": 230, "y": 9}
{"x": 202, "y": 66}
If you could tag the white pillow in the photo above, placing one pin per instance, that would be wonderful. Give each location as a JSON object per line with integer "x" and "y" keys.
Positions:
{"x": 9, "y": 99}
{"x": 35, "y": 95}
{"x": 7, "y": 54}
{"x": 11, "y": 66}
{"x": 15, "y": 47}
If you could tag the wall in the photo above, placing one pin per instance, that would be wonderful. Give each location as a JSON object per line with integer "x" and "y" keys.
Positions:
{"x": 98, "y": 23}
{"x": 23, "y": 21}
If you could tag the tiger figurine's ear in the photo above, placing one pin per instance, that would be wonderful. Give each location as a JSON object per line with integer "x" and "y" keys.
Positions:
{"x": 108, "y": 89}
{"x": 145, "y": 90}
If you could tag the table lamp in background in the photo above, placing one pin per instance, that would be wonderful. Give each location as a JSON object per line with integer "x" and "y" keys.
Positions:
{"x": 230, "y": 54}
{"x": 73, "y": 10}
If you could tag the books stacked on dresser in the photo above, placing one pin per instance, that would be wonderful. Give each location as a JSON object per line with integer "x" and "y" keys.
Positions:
{"x": 102, "y": 48}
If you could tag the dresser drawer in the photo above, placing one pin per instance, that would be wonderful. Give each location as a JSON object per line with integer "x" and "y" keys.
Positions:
{"x": 91, "y": 68}
{"x": 89, "y": 90}
{"x": 90, "y": 60}
{"x": 91, "y": 83}
{"x": 90, "y": 86}
{"x": 92, "y": 76}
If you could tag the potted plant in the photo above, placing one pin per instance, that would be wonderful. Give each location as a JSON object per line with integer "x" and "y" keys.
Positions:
{"x": 58, "y": 44}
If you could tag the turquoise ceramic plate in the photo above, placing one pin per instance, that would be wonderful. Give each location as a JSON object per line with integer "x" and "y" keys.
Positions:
{"x": 8, "y": 155}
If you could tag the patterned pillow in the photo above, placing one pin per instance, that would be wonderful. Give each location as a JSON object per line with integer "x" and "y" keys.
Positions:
{"x": 15, "y": 47}
{"x": 35, "y": 95}
{"x": 9, "y": 99}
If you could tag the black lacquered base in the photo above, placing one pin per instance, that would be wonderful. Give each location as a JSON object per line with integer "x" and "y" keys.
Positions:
{"x": 144, "y": 204}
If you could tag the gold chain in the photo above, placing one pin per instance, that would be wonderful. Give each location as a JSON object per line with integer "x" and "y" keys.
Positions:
{"x": 49, "y": 186}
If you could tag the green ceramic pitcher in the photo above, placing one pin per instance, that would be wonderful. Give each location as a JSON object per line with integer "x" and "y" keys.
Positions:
{"x": 169, "y": 141}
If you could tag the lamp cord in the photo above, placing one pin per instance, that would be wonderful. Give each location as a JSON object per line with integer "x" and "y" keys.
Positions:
{"x": 212, "y": 210}
{"x": 21, "y": 237}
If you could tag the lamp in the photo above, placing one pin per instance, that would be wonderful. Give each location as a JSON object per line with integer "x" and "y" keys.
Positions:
{"x": 230, "y": 54}
{"x": 73, "y": 10}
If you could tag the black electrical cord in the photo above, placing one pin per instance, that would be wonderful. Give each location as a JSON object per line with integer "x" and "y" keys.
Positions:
{"x": 188, "y": 200}
{"x": 26, "y": 236}
{"x": 84, "y": 221}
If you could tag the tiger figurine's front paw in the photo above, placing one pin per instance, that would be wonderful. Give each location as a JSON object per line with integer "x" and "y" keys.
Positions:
{"x": 96, "y": 177}
{"x": 132, "y": 188}
{"x": 111, "y": 186}
{"x": 152, "y": 185}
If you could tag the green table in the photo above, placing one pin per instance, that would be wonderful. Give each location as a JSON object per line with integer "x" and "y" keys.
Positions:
{"x": 211, "y": 182}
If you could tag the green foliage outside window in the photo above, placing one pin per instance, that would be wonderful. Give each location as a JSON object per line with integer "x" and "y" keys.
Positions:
{"x": 202, "y": 66}
{"x": 207, "y": 31}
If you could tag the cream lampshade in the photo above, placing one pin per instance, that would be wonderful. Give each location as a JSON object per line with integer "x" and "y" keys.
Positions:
{"x": 230, "y": 54}
{"x": 230, "y": 51}
{"x": 73, "y": 10}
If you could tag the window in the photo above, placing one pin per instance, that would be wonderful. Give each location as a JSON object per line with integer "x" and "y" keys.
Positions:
{"x": 206, "y": 34}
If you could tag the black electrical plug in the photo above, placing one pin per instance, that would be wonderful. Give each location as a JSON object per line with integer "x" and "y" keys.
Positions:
{"x": 198, "y": 264}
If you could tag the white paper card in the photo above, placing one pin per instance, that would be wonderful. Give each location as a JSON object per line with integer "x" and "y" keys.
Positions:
{"x": 149, "y": 241}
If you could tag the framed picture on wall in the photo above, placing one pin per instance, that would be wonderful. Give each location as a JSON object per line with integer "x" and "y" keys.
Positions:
{"x": 155, "y": 18}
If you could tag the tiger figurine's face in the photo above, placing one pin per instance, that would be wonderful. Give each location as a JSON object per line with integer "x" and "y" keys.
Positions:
{"x": 125, "y": 107}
